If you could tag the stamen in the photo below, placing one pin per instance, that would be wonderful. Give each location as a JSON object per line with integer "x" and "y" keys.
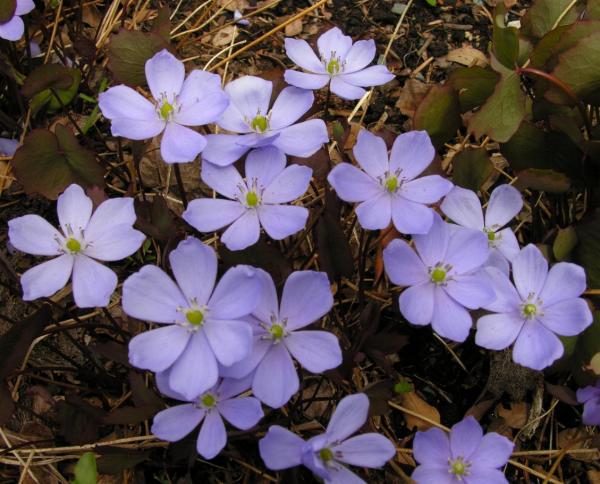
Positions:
{"x": 208, "y": 400}
{"x": 252, "y": 199}
{"x": 73, "y": 245}
{"x": 438, "y": 275}
{"x": 260, "y": 123}
{"x": 326, "y": 454}
{"x": 277, "y": 332}
{"x": 194, "y": 317}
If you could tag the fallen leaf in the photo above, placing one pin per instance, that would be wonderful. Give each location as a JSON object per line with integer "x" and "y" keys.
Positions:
{"x": 411, "y": 95}
{"x": 414, "y": 402}
{"x": 575, "y": 438}
{"x": 294, "y": 28}
{"x": 467, "y": 56}
{"x": 224, "y": 36}
{"x": 515, "y": 416}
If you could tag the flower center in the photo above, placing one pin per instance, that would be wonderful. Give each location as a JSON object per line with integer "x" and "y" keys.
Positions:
{"x": 333, "y": 66}
{"x": 165, "y": 110}
{"x": 459, "y": 468}
{"x": 208, "y": 400}
{"x": 529, "y": 310}
{"x": 252, "y": 199}
{"x": 260, "y": 123}
{"x": 391, "y": 184}
{"x": 491, "y": 235}
{"x": 438, "y": 275}
{"x": 194, "y": 317}
{"x": 73, "y": 245}
{"x": 326, "y": 454}
{"x": 277, "y": 331}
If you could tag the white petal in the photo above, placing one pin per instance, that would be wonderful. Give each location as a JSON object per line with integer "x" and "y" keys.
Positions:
{"x": 530, "y": 269}
{"x": 242, "y": 233}
{"x": 504, "y": 204}
{"x": 180, "y": 144}
{"x": 194, "y": 265}
{"x": 74, "y": 209}
{"x": 281, "y": 221}
{"x": 209, "y": 214}
{"x": 34, "y": 235}
{"x": 462, "y": 206}
{"x": 93, "y": 283}
{"x": 250, "y": 95}
{"x": 225, "y": 180}
{"x": 47, "y": 278}
{"x": 291, "y": 104}
{"x": 164, "y": 74}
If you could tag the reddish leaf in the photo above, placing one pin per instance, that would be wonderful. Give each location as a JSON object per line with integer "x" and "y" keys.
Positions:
{"x": 439, "y": 114}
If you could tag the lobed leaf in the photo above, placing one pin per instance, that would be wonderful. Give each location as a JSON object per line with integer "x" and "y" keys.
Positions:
{"x": 471, "y": 168}
{"x": 439, "y": 114}
{"x": 543, "y": 15}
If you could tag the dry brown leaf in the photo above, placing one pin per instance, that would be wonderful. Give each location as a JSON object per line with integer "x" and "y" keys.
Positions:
{"x": 224, "y": 36}
{"x": 467, "y": 56}
{"x": 414, "y": 402}
{"x": 594, "y": 477}
{"x": 515, "y": 416}
{"x": 575, "y": 438}
{"x": 294, "y": 28}
{"x": 233, "y": 5}
{"x": 411, "y": 95}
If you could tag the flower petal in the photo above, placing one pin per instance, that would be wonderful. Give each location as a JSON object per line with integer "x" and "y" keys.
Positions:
{"x": 411, "y": 217}
{"x": 275, "y": 379}
{"x": 507, "y": 299}
{"x": 371, "y": 153}
{"x": 468, "y": 250}
{"x": 175, "y": 423}
{"x": 268, "y": 305}
{"x": 201, "y": 99}
{"x": 291, "y": 104}
{"x": 313, "y": 134}
{"x": 250, "y": 95}
{"x": 352, "y": 184}
{"x": 302, "y": 55}
{"x": 230, "y": 340}
{"x": 242, "y": 233}
{"x": 465, "y": 437}
{"x": 334, "y": 42}
{"x": 375, "y": 213}
{"x": 537, "y": 347}
{"x": 472, "y": 291}
{"x": 124, "y": 102}
{"x": 151, "y": 295}
{"x": 306, "y": 298}
{"x": 504, "y": 204}
{"x": 428, "y": 475}
{"x": 288, "y": 185}
{"x": 34, "y": 235}
{"x": 180, "y": 144}
{"x": 370, "y": 76}
{"x": 245, "y": 367}
{"x": 432, "y": 448}
{"x": 225, "y": 180}
{"x": 450, "y": 319}
{"x": 264, "y": 165}
{"x": 243, "y": 413}
{"x": 345, "y": 90}
{"x": 280, "y": 448}
{"x": 339, "y": 474}
{"x": 506, "y": 243}
{"x": 417, "y": 302}
{"x": 162, "y": 383}
{"x": 213, "y": 437}
{"x": 530, "y": 269}
{"x": 412, "y": 152}
{"x": 317, "y": 351}
{"x": 487, "y": 475}
{"x": 158, "y": 349}
{"x": 47, "y": 278}
{"x": 164, "y": 74}
{"x": 194, "y": 265}
{"x": 498, "y": 331}
{"x": 349, "y": 416}
{"x": 13, "y": 29}
{"x": 360, "y": 55}
{"x": 232, "y": 387}
{"x": 564, "y": 281}
{"x": 433, "y": 246}
{"x": 93, "y": 283}
{"x": 366, "y": 450}
{"x": 236, "y": 294}
{"x": 115, "y": 243}
{"x": 493, "y": 451}
{"x": 74, "y": 210}
{"x": 427, "y": 189}
{"x": 462, "y": 206}
{"x": 136, "y": 129}
{"x": 402, "y": 265}
{"x": 110, "y": 213}
{"x": 195, "y": 371}
{"x": 305, "y": 80}
{"x": 281, "y": 221}
{"x": 222, "y": 149}
{"x": 209, "y": 214}
{"x": 568, "y": 317}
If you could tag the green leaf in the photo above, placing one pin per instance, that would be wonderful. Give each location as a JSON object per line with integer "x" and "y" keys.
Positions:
{"x": 544, "y": 180}
{"x": 45, "y": 77}
{"x": 471, "y": 168}
{"x": 473, "y": 85}
{"x": 128, "y": 52}
{"x": 564, "y": 243}
{"x": 439, "y": 114}
{"x": 85, "y": 469}
{"x": 592, "y": 10}
{"x": 7, "y": 10}
{"x": 579, "y": 68}
{"x": 47, "y": 163}
{"x": 543, "y": 14}
{"x": 505, "y": 43}
{"x": 433, "y": 3}
{"x": 588, "y": 248}
{"x": 500, "y": 116}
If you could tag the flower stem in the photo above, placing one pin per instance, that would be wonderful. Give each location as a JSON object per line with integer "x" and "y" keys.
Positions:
{"x": 180, "y": 185}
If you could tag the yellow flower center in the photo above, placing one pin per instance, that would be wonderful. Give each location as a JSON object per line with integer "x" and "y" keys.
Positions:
{"x": 208, "y": 400}
{"x": 491, "y": 235}
{"x": 251, "y": 199}
{"x": 438, "y": 275}
{"x": 165, "y": 110}
{"x": 195, "y": 317}
{"x": 73, "y": 245}
{"x": 529, "y": 309}
{"x": 391, "y": 184}
{"x": 260, "y": 123}
{"x": 276, "y": 331}
{"x": 326, "y": 454}
{"x": 333, "y": 66}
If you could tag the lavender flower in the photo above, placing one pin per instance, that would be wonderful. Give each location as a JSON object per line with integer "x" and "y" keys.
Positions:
{"x": 590, "y": 397}
{"x": 387, "y": 187}
{"x": 8, "y": 146}
{"x": 306, "y": 298}
{"x": 201, "y": 326}
{"x": 325, "y": 454}
{"x": 211, "y": 407}
{"x": 177, "y": 103}
{"x": 12, "y": 28}
{"x": 258, "y": 200}
{"x": 443, "y": 277}
{"x": 248, "y": 115}
{"x": 105, "y": 235}
{"x": 543, "y": 304}
{"x": 465, "y": 456}
{"x": 342, "y": 63}
{"x": 464, "y": 208}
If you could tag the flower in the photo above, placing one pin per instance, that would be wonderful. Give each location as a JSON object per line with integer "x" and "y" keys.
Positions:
{"x": 341, "y": 62}
{"x": 177, "y": 103}
{"x": 306, "y": 298}
{"x": 8, "y": 146}
{"x": 248, "y": 115}
{"x": 543, "y": 304}
{"x": 106, "y": 235}
{"x": 464, "y": 208}
{"x": 252, "y": 202}
{"x": 590, "y": 397}
{"x": 466, "y": 455}
{"x": 200, "y": 326}
{"x": 11, "y": 24}
{"x": 443, "y": 277}
{"x": 386, "y": 187}
{"x": 211, "y": 407}
{"x": 325, "y": 454}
